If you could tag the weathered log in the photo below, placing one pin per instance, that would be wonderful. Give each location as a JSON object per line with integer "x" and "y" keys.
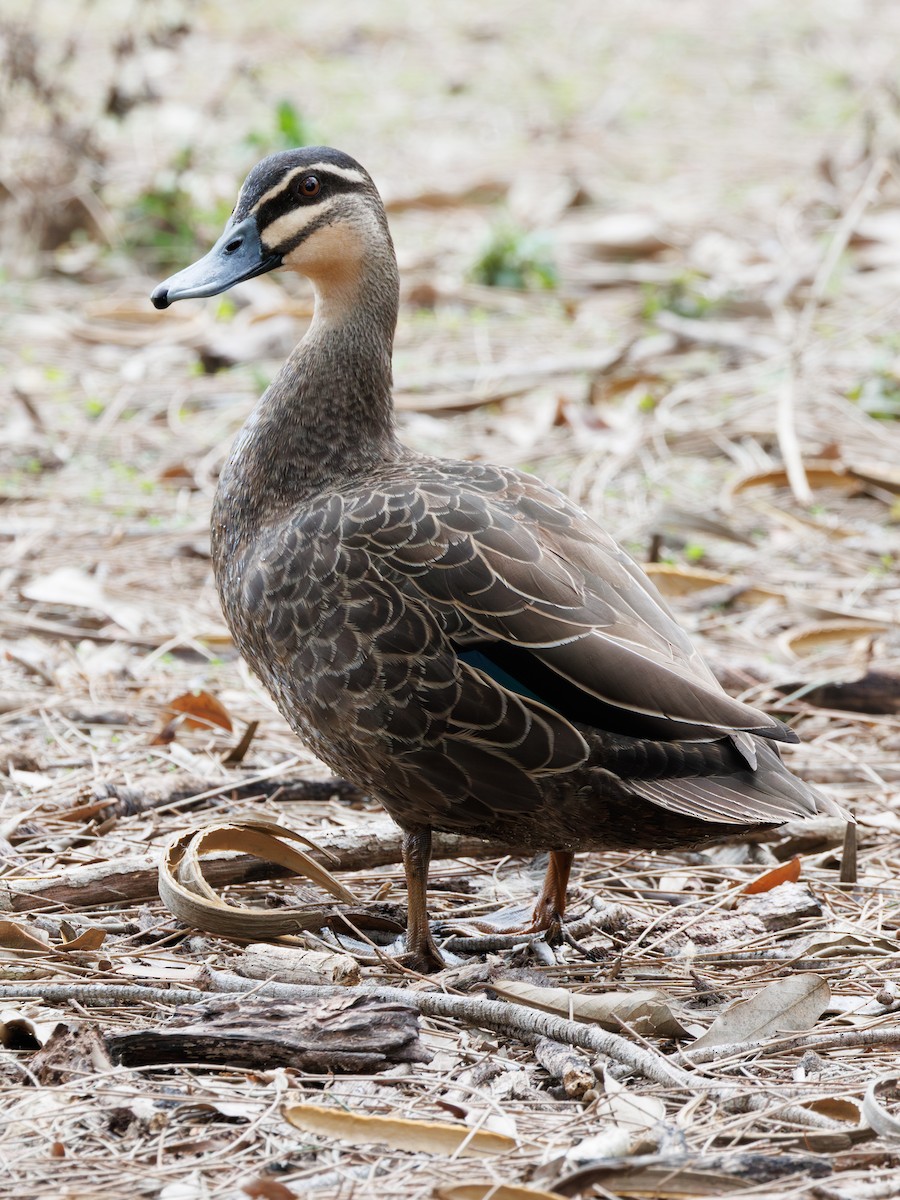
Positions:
{"x": 319, "y": 1037}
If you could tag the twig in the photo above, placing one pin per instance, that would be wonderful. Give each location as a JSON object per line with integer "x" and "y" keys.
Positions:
{"x": 848, "y": 855}
{"x": 848, "y": 1039}
{"x": 729, "y": 335}
{"x": 785, "y": 424}
{"x": 102, "y": 995}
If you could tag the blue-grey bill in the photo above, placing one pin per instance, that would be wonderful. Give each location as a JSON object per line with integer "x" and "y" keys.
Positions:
{"x": 238, "y": 255}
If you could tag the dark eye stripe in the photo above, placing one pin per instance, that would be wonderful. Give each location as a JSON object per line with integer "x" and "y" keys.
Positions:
{"x": 287, "y": 199}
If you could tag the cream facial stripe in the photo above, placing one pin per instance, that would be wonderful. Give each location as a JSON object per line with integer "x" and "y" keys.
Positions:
{"x": 348, "y": 173}
{"x": 287, "y": 230}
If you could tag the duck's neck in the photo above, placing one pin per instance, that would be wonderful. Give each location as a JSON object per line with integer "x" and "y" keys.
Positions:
{"x": 327, "y": 416}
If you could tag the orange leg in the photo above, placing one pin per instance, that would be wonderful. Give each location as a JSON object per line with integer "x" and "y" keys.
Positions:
{"x": 551, "y": 904}
{"x": 422, "y": 954}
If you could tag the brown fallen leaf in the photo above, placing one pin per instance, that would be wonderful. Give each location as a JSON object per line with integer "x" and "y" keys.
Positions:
{"x": 397, "y": 1133}
{"x": 19, "y": 1032}
{"x": 646, "y": 1012}
{"x": 187, "y": 894}
{"x": 651, "y": 1183}
{"x": 268, "y": 1189}
{"x": 199, "y": 710}
{"x": 674, "y": 579}
{"x": 788, "y": 872}
{"x": 16, "y": 937}
{"x": 839, "y": 1108}
{"x": 487, "y": 1190}
{"x": 805, "y": 640}
{"x": 90, "y": 939}
{"x": 820, "y": 473}
{"x": 785, "y": 1006}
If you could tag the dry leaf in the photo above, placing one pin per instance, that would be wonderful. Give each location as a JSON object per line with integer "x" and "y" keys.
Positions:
{"x": 268, "y": 1189}
{"x": 198, "y": 710}
{"x": 90, "y": 939}
{"x": 73, "y": 588}
{"x": 397, "y": 1133}
{"x": 806, "y": 640}
{"x": 781, "y": 1007}
{"x": 487, "y": 1190}
{"x": 675, "y": 579}
{"x": 820, "y": 473}
{"x": 883, "y": 1120}
{"x": 839, "y": 945}
{"x": 16, "y": 1029}
{"x": 788, "y": 872}
{"x": 16, "y": 937}
{"x": 652, "y": 1183}
{"x": 838, "y": 1108}
{"x": 645, "y": 1012}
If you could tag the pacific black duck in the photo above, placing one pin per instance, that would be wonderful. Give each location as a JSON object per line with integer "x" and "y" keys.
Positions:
{"x": 456, "y": 638}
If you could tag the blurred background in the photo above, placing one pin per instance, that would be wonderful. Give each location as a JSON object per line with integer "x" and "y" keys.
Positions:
{"x": 649, "y": 250}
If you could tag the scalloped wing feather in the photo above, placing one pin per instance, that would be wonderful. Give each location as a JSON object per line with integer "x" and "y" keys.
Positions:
{"x": 523, "y": 565}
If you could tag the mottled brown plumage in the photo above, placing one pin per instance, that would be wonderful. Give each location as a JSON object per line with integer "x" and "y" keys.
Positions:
{"x": 457, "y": 638}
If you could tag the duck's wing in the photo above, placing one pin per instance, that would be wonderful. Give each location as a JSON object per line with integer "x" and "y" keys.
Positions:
{"x": 362, "y": 664}
{"x": 537, "y": 596}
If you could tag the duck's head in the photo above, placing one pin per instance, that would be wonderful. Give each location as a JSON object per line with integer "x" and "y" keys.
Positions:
{"x": 314, "y": 210}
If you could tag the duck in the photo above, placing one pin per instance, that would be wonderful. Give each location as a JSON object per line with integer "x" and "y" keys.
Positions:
{"x": 457, "y": 638}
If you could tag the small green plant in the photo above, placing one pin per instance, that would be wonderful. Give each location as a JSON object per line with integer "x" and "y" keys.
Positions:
{"x": 166, "y": 221}
{"x": 513, "y": 258}
{"x": 684, "y": 296}
{"x": 879, "y": 396}
{"x": 289, "y": 129}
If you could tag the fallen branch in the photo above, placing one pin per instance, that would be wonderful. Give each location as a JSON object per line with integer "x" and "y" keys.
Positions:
{"x": 848, "y": 1039}
{"x": 517, "y": 1020}
{"x": 129, "y": 879}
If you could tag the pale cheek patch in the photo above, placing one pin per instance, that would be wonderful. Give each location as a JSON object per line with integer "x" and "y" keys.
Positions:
{"x": 335, "y": 251}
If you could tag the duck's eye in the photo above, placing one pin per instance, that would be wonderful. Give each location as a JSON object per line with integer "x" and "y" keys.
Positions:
{"x": 308, "y": 186}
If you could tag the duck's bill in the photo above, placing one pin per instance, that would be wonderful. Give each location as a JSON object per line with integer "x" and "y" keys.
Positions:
{"x": 238, "y": 255}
